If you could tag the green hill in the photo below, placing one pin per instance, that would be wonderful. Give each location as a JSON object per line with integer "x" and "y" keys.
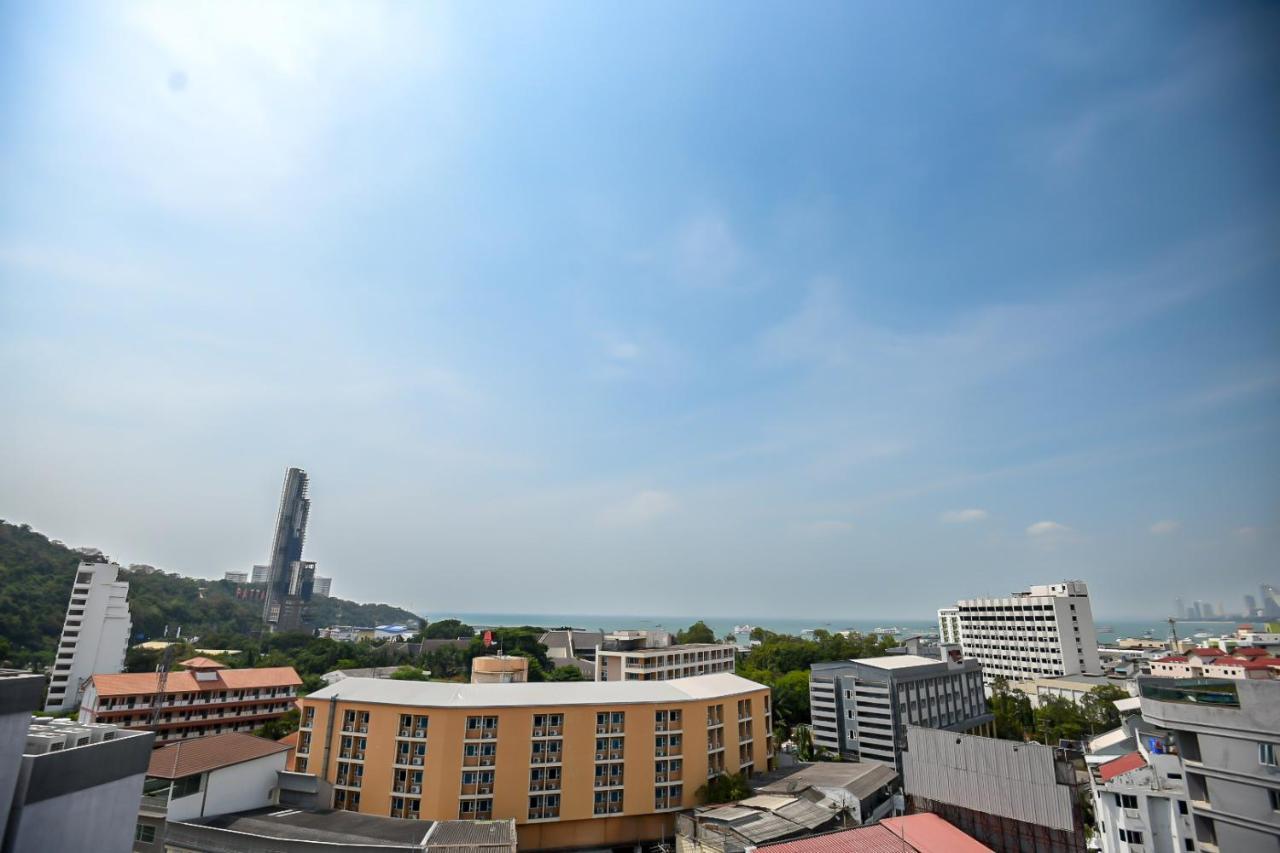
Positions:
{"x": 35, "y": 584}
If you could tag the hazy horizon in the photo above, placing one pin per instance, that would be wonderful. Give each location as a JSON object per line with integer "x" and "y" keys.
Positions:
{"x": 858, "y": 308}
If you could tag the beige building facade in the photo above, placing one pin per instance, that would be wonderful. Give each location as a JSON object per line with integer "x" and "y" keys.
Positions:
{"x": 573, "y": 763}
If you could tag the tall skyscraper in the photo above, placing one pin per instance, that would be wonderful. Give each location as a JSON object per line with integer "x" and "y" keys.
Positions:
{"x": 289, "y": 584}
{"x": 1179, "y": 609}
{"x": 1250, "y": 605}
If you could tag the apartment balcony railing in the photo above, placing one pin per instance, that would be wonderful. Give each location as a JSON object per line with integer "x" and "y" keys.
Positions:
{"x": 409, "y": 760}
{"x": 548, "y": 731}
{"x": 546, "y": 758}
{"x": 608, "y": 755}
{"x": 406, "y": 788}
{"x": 480, "y": 734}
{"x": 419, "y": 734}
{"x": 544, "y": 785}
{"x": 476, "y": 789}
{"x": 478, "y": 760}
{"x": 544, "y": 813}
{"x": 609, "y": 728}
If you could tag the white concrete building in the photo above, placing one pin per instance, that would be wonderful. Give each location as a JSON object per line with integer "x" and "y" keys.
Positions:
{"x": 629, "y": 656}
{"x": 1045, "y": 632}
{"x": 321, "y": 586}
{"x": 95, "y": 633}
{"x": 261, "y": 574}
{"x": 236, "y": 577}
{"x": 1139, "y": 793}
{"x": 949, "y": 626}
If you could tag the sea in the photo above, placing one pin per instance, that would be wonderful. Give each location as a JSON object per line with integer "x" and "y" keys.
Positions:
{"x": 722, "y": 626}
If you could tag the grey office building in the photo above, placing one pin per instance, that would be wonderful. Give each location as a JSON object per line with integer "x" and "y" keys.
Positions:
{"x": 290, "y": 580}
{"x": 65, "y": 785}
{"x": 1227, "y": 733}
{"x": 861, "y": 708}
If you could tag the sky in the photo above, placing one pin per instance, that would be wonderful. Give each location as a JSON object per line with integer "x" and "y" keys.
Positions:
{"x": 842, "y": 310}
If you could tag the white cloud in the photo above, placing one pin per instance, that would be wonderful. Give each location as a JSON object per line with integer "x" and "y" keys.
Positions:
{"x": 707, "y": 253}
{"x": 1043, "y": 529}
{"x": 1246, "y": 533}
{"x": 1165, "y": 527}
{"x": 640, "y": 509}
{"x": 965, "y": 516}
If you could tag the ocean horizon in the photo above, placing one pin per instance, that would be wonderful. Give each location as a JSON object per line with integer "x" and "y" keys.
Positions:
{"x": 1159, "y": 628}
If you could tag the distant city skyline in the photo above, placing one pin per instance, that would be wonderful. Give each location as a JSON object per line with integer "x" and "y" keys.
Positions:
{"x": 857, "y": 309}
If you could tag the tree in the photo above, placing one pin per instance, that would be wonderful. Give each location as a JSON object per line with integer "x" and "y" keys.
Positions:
{"x": 409, "y": 673}
{"x": 278, "y": 728}
{"x": 1059, "y": 719}
{"x": 1012, "y": 711}
{"x": 791, "y": 697}
{"x": 447, "y": 629}
{"x": 803, "y": 738}
{"x": 565, "y": 673}
{"x": 698, "y": 632}
{"x": 1099, "y": 707}
{"x": 724, "y": 788}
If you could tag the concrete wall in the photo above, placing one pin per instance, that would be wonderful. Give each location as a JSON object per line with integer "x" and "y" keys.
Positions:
{"x": 240, "y": 787}
{"x": 101, "y": 819}
{"x": 19, "y": 696}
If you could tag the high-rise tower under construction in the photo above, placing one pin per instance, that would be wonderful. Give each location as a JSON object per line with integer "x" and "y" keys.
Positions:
{"x": 290, "y": 581}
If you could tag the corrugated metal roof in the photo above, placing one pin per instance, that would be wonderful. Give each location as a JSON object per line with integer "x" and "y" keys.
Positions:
{"x": 1007, "y": 778}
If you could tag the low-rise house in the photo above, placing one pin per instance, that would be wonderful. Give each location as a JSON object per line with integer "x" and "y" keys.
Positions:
{"x": 651, "y": 656}
{"x": 291, "y": 830}
{"x": 347, "y": 633}
{"x": 921, "y": 833}
{"x": 205, "y": 698}
{"x": 1073, "y": 688}
{"x": 207, "y": 776}
{"x": 1248, "y": 662}
{"x": 860, "y": 792}
{"x": 366, "y": 672}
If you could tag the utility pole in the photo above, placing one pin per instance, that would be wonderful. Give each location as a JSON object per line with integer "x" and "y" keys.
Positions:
{"x": 1173, "y": 634}
{"x": 162, "y": 679}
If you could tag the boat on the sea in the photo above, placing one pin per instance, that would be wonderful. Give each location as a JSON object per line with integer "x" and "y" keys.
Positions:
{"x": 1201, "y": 635}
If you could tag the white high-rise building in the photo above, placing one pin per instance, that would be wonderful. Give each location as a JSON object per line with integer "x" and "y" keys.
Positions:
{"x": 322, "y": 586}
{"x": 95, "y": 633}
{"x": 949, "y": 626}
{"x": 261, "y": 574}
{"x": 1044, "y": 632}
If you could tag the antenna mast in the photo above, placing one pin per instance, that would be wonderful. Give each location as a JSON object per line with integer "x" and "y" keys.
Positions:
{"x": 162, "y": 671}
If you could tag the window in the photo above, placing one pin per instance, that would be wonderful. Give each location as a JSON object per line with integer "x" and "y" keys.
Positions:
{"x": 1190, "y": 844}
{"x": 1267, "y": 754}
{"x": 1274, "y": 794}
{"x": 1132, "y": 836}
{"x": 1126, "y": 801}
{"x": 144, "y": 833}
{"x": 1182, "y": 806}
{"x": 186, "y": 786}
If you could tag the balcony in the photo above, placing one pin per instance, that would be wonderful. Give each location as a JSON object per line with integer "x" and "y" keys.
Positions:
{"x": 609, "y": 728}
{"x": 481, "y": 734}
{"x": 409, "y": 760}
{"x": 545, "y": 758}
{"x": 478, "y": 760}
{"x": 352, "y": 754}
{"x": 406, "y": 788}
{"x": 674, "y": 726}
{"x": 414, "y": 734}
{"x": 544, "y": 785}
{"x": 477, "y": 789}
{"x": 544, "y": 813}
{"x": 608, "y": 755}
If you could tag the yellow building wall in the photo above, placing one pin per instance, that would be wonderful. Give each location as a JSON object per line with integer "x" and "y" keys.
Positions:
{"x": 577, "y": 824}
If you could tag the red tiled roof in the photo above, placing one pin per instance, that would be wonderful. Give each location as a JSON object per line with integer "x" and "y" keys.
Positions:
{"x": 1251, "y": 652}
{"x": 1173, "y": 659}
{"x": 1207, "y": 653}
{"x": 1261, "y": 663}
{"x": 1229, "y": 661}
{"x": 144, "y": 683}
{"x": 918, "y": 833}
{"x": 1123, "y": 764}
{"x": 199, "y": 755}
{"x": 202, "y": 663}
{"x": 929, "y": 833}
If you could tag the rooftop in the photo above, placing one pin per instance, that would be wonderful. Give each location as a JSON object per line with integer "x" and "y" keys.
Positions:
{"x": 1123, "y": 764}
{"x": 443, "y": 694}
{"x": 918, "y": 833}
{"x": 897, "y": 661}
{"x": 184, "y": 681}
{"x": 322, "y": 825}
{"x": 858, "y": 778}
{"x": 200, "y": 755}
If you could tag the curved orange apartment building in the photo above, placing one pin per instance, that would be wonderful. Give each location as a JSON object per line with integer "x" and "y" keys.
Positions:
{"x": 574, "y": 763}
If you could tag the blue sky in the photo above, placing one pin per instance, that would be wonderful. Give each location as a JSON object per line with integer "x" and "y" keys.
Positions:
{"x": 839, "y": 309}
